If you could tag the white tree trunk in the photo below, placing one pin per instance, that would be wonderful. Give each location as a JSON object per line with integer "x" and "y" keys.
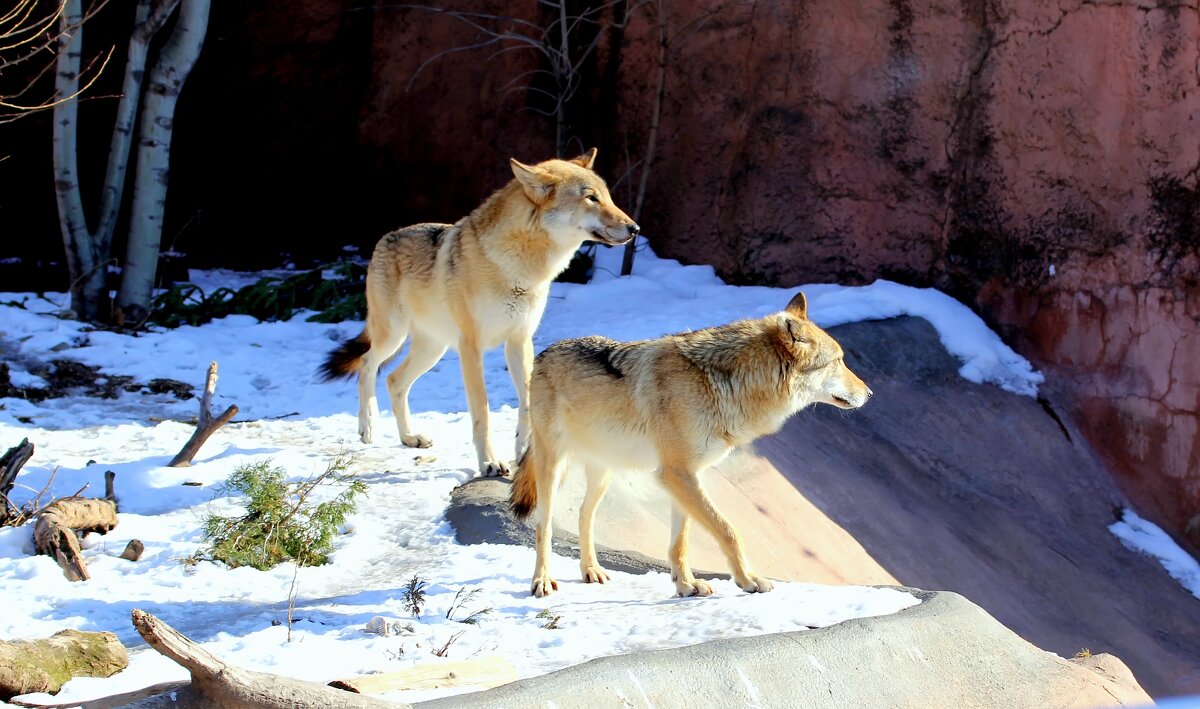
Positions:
{"x": 174, "y": 63}
{"x": 146, "y": 25}
{"x": 88, "y": 251}
{"x": 84, "y": 262}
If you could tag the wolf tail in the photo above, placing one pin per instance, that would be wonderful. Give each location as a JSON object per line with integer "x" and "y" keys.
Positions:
{"x": 343, "y": 362}
{"x": 522, "y": 497}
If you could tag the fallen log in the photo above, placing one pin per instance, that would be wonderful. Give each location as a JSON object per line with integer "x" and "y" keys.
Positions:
{"x": 10, "y": 465}
{"x": 56, "y": 532}
{"x": 207, "y": 425}
{"x": 485, "y": 672}
{"x": 45, "y": 665}
{"x": 217, "y": 684}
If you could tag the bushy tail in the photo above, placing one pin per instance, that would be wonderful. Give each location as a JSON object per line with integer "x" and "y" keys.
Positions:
{"x": 522, "y": 497}
{"x": 344, "y": 362}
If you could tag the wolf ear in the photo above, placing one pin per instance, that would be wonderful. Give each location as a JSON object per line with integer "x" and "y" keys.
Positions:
{"x": 798, "y": 307}
{"x": 795, "y": 330}
{"x": 585, "y": 160}
{"x": 537, "y": 183}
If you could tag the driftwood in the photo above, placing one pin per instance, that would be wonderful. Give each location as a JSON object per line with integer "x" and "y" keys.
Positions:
{"x": 10, "y": 465}
{"x": 484, "y": 672}
{"x": 45, "y": 665}
{"x": 207, "y": 425}
{"x": 217, "y": 684}
{"x": 60, "y": 524}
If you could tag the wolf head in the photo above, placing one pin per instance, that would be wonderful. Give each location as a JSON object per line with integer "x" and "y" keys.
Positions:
{"x": 820, "y": 374}
{"x": 573, "y": 203}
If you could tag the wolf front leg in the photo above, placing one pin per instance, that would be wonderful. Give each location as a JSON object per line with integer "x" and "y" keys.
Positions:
{"x": 684, "y": 485}
{"x": 518, "y": 352}
{"x": 681, "y": 572}
{"x": 471, "y": 359}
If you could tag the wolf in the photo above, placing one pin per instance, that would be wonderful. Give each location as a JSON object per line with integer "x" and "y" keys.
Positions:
{"x": 473, "y": 285}
{"x": 676, "y": 405}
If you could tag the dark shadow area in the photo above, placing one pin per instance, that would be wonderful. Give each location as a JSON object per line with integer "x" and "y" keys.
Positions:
{"x": 957, "y": 486}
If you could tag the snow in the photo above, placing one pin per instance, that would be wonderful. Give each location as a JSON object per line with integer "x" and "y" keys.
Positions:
{"x": 1147, "y": 538}
{"x": 300, "y": 424}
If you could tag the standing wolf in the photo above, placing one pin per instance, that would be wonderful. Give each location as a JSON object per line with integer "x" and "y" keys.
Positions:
{"x": 677, "y": 404}
{"x": 473, "y": 285}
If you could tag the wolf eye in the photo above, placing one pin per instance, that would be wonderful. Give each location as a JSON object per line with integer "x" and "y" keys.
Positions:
{"x": 593, "y": 198}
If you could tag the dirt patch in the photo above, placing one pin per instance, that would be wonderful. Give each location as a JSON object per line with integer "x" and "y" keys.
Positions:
{"x": 66, "y": 377}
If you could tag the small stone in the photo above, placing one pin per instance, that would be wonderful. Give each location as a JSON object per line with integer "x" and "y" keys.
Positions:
{"x": 133, "y": 550}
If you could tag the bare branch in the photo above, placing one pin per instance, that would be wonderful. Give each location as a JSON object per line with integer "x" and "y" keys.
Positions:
{"x": 206, "y": 425}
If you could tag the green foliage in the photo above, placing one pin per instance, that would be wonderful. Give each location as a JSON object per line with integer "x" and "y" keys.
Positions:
{"x": 271, "y": 298}
{"x": 280, "y": 524}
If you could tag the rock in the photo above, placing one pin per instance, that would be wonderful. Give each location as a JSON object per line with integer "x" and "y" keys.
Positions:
{"x": 942, "y": 652}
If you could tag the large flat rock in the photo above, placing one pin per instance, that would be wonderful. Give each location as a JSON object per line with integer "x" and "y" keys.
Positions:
{"x": 942, "y": 652}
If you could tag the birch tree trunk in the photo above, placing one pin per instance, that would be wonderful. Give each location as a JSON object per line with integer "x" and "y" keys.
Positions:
{"x": 146, "y": 25}
{"x": 167, "y": 76}
{"x": 85, "y": 264}
{"x": 88, "y": 251}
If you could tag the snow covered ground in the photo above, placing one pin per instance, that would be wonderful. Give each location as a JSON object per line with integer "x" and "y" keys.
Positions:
{"x": 300, "y": 424}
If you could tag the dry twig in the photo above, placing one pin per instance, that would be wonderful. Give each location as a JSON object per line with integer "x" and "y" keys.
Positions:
{"x": 207, "y": 425}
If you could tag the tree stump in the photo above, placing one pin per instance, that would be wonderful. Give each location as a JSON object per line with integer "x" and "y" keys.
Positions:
{"x": 54, "y": 534}
{"x": 45, "y": 665}
{"x": 207, "y": 424}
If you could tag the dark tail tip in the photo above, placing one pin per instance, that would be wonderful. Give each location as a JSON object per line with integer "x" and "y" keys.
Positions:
{"x": 342, "y": 363}
{"x": 519, "y": 500}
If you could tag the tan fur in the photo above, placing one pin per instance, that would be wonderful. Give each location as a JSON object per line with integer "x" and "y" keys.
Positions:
{"x": 676, "y": 405}
{"x": 473, "y": 285}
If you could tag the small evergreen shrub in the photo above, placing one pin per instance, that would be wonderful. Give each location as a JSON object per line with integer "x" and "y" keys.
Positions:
{"x": 414, "y": 596}
{"x": 280, "y": 524}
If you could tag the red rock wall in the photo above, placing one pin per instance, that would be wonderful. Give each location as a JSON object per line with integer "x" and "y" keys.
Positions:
{"x": 1003, "y": 151}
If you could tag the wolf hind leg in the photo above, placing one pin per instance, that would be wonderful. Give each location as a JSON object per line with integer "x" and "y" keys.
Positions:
{"x": 547, "y": 469}
{"x": 597, "y": 484}
{"x": 423, "y": 353}
{"x": 684, "y": 485}
{"x": 385, "y": 341}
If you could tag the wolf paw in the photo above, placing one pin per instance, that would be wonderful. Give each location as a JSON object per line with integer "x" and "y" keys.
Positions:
{"x": 543, "y": 586}
{"x": 593, "y": 574}
{"x": 695, "y": 587}
{"x": 415, "y": 440}
{"x": 755, "y": 584}
{"x": 493, "y": 469}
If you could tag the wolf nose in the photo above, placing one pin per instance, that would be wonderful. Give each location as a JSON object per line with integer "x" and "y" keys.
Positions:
{"x": 634, "y": 229}
{"x": 870, "y": 393}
